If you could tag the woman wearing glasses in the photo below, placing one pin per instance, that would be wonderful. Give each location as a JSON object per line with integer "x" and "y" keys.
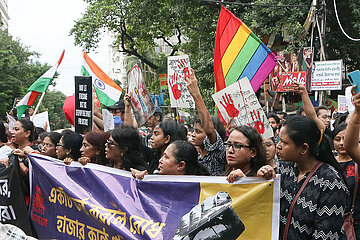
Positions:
{"x": 245, "y": 153}
{"x": 124, "y": 149}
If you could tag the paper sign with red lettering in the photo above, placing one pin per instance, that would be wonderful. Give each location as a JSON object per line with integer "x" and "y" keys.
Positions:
{"x": 287, "y": 80}
{"x": 178, "y": 68}
{"x": 239, "y": 101}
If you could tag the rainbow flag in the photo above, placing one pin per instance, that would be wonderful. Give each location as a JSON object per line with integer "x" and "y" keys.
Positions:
{"x": 239, "y": 53}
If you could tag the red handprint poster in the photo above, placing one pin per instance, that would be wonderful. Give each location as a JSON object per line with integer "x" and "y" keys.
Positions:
{"x": 239, "y": 101}
{"x": 178, "y": 69}
{"x": 141, "y": 103}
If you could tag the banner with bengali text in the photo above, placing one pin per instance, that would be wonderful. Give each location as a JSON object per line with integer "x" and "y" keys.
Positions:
{"x": 100, "y": 203}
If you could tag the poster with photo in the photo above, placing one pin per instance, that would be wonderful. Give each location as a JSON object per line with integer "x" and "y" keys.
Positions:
{"x": 141, "y": 103}
{"x": 178, "y": 68}
{"x": 239, "y": 101}
{"x": 298, "y": 67}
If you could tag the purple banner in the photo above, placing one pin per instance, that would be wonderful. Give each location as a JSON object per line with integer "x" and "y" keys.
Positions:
{"x": 81, "y": 203}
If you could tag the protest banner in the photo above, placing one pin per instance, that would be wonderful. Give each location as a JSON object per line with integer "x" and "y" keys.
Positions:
{"x": 141, "y": 104}
{"x": 297, "y": 65}
{"x": 342, "y": 106}
{"x": 178, "y": 69}
{"x": 81, "y": 202}
{"x": 327, "y": 75}
{"x": 13, "y": 208}
{"x": 239, "y": 101}
{"x": 83, "y": 104}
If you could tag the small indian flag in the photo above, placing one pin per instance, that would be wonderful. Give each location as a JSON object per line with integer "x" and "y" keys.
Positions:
{"x": 107, "y": 91}
{"x": 37, "y": 87}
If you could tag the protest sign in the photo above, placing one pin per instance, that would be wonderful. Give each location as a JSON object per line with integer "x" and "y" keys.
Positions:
{"x": 342, "y": 106}
{"x": 178, "y": 69}
{"x": 83, "y": 104}
{"x": 42, "y": 120}
{"x": 298, "y": 66}
{"x": 326, "y": 75}
{"x": 349, "y": 100}
{"x": 163, "y": 81}
{"x": 239, "y": 101}
{"x": 79, "y": 202}
{"x": 108, "y": 120}
{"x": 141, "y": 104}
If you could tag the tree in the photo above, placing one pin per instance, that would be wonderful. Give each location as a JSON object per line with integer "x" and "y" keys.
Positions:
{"x": 137, "y": 23}
{"x": 17, "y": 70}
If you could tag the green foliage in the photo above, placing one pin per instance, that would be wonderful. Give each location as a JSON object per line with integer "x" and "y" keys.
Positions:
{"x": 137, "y": 23}
{"x": 17, "y": 71}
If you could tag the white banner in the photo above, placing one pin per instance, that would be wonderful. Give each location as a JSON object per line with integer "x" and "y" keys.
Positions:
{"x": 326, "y": 75}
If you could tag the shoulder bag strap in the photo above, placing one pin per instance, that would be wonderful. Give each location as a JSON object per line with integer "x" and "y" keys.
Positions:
{"x": 288, "y": 220}
{"x": 356, "y": 187}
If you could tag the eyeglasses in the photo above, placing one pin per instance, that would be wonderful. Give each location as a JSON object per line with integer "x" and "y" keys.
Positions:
{"x": 59, "y": 145}
{"x": 109, "y": 142}
{"x": 235, "y": 146}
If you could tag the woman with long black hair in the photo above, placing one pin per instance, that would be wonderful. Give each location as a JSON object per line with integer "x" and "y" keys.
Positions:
{"x": 318, "y": 212}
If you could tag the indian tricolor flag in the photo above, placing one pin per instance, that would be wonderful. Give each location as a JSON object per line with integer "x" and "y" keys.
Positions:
{"x": 107, "y": 91}
{"x": 239, "y": 53}
{"x": 37, "y": 87}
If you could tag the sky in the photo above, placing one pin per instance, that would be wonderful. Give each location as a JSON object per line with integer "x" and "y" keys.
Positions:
{"x": 44, "y": 26}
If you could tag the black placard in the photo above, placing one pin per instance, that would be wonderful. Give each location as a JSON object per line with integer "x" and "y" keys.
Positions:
{"x": 83, "y": 104}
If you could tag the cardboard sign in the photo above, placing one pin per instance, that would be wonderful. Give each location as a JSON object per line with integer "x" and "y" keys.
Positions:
{"x": 83, "y": 104}
{"x": 141, "y": 103}
{"x": 327, "y": 75}
{"x": 239, "y": 101}
{"x": 178, "y": 68}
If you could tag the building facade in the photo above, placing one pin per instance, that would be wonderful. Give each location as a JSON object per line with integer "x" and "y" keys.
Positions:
{"x": 4, "y": 15}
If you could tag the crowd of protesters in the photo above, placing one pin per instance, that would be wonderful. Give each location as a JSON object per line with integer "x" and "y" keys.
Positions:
{"x": 304, "y": 146}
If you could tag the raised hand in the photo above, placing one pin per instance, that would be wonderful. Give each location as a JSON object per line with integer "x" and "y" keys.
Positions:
{"x": 228, "y": 104}
{"x": 258, "y": 124}
{"x": 192, "y": 84}
{"x": 174, "y": 86}
{"x": 299, "y": 88}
